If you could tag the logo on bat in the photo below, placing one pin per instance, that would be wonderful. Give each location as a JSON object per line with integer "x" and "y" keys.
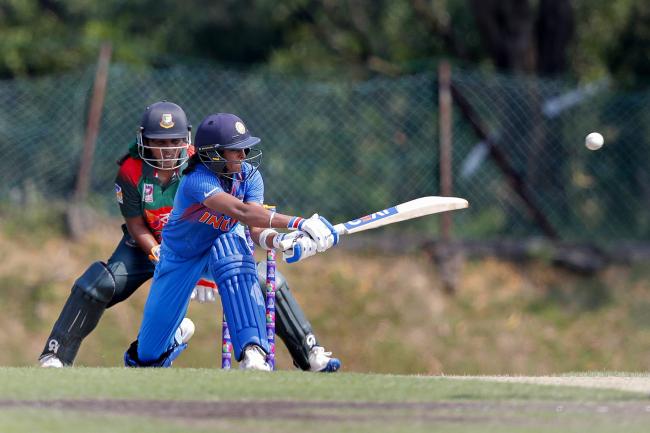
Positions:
{"x": 156, "y": 219}
{"x": 371, "y": 218}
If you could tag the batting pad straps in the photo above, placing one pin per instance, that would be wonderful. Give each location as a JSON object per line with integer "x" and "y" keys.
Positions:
{"x": 265, "y": 234}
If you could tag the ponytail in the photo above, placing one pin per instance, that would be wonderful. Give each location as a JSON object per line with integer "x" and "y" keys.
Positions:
{"x": 191, "y": 164}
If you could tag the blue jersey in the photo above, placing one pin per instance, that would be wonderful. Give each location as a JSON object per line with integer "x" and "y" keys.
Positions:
{"x": 193, "y": 227}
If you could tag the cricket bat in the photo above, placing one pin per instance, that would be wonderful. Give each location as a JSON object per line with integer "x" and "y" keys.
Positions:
{"x": 405, "y": 211}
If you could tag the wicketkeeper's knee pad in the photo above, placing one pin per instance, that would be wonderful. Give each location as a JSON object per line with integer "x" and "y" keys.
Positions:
{"x": 131, "y": 358}
{"x": 233, "y": 269}
{"x": 96, "y": 284}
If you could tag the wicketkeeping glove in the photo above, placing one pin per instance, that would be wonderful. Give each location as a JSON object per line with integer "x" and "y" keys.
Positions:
{"x": 154, "y": 254}
{"x": 205, "y": 291}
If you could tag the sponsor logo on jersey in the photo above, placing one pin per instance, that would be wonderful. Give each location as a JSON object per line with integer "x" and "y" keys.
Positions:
{"x": 148, "y": 193}
{"x": 372, "y": 217}
{"x": 212, "y": 191}
{"x": 118, "y": 194}
{"x": 221, "y": 222}
{"x": 156, "y": 219}
{"x": 166, "y": 121}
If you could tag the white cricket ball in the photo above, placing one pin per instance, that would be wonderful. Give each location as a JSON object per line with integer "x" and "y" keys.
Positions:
{"x": 594, "y": 141}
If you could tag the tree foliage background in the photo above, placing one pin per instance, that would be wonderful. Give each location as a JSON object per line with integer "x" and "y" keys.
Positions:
{"x": 353, "y": 81}
{"x": 582, "y": 39}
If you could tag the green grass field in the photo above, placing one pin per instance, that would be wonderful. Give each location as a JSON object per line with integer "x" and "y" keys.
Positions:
{"x": 210, "y": 400}
{"x": 379, "y": 313}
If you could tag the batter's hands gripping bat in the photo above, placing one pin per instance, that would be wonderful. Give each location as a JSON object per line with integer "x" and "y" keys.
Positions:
{"x": 405, "y": 211}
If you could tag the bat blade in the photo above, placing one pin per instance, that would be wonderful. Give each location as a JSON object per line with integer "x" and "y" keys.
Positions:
{"x": 405, "y": 211}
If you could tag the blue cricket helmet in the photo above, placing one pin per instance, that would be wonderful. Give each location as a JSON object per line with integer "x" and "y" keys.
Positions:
{"x": 225, "y": 131}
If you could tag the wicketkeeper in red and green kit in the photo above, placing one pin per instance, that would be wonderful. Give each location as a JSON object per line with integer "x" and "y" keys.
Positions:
{"x": 145, "y": 187}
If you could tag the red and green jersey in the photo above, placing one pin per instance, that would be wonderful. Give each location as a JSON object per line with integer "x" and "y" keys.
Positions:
{"x": 139, "y": 193}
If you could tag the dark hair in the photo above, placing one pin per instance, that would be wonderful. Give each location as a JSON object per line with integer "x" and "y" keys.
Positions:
{"x": 192, "y": 163}
{"x": 191, "y": 166}
{"x": 122, "y": 159}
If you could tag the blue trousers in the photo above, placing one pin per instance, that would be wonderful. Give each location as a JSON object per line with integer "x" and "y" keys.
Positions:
{"x": 169, "y": 297}
{"x": 167, "y": 303}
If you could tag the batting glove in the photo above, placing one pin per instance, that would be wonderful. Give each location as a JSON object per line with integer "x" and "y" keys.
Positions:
{"x": 301, "y": 248}
{"x": 319, "y": 229}
{"x": 286, "y": 239}
{"x": 281, "y": 240}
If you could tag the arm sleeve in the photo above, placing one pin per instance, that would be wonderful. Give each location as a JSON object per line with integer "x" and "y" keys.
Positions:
{"x": 126, "y": 191}
{"x": 254, "y": 189}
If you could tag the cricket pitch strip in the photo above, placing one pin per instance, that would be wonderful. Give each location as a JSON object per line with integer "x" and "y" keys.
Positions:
{"x": 633, "y": 383}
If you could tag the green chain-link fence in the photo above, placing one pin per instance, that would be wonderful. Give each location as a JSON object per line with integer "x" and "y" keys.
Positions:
{"x": 344, "y": 149}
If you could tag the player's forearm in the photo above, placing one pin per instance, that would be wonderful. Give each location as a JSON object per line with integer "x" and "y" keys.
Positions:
{"x": 254, "y": 215}
{"x": 141, "y": 234}
{"x": 250, "y": 214}
{"x": 146, "y": 242}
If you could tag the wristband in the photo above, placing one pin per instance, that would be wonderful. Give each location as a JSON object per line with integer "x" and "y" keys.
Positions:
{"x": 271, "y": 218}
{"x": 265, "y": 234}
{"x": 294, "y": 223}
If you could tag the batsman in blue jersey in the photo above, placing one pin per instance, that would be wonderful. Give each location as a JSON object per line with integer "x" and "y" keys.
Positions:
{"x": 221, "y": 188}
